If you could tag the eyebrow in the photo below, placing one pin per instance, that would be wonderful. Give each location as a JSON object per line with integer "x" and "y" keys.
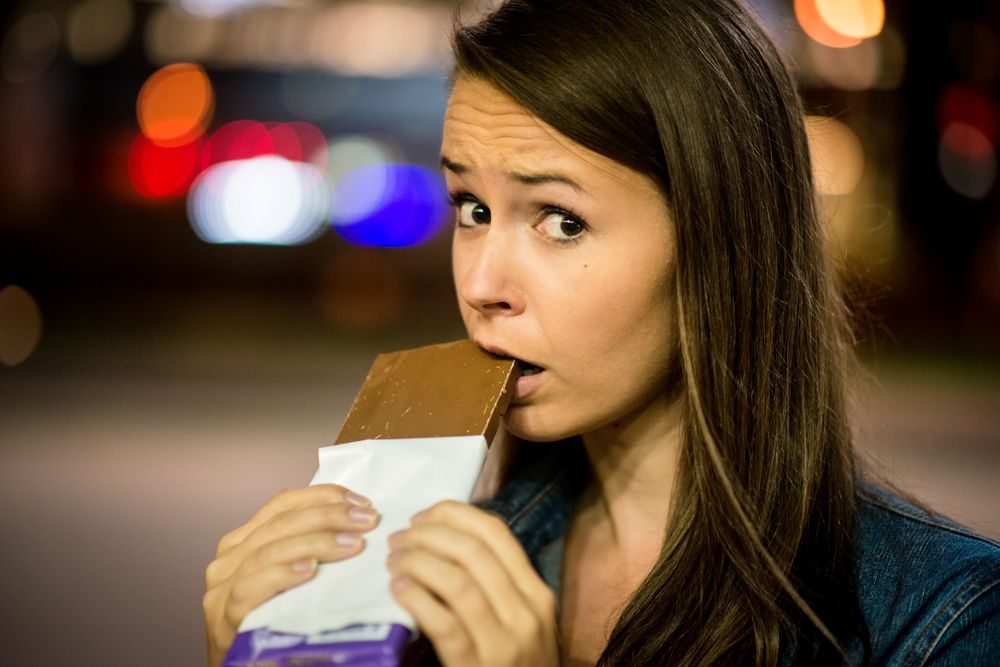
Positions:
{"x": 526, "y": 179}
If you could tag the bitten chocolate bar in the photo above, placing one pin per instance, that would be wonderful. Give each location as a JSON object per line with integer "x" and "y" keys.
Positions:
{"x": 416, "y": 435}
{"x": 450, "y": 389}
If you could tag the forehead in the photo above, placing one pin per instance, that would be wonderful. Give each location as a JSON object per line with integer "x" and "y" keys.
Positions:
{"x": 487, "y": 129}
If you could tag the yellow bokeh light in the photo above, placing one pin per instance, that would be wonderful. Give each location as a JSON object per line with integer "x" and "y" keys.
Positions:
{"x": 808, "y": 16}
{"x": 20, "y": 325}
{"x": 859, "y": 19}
{"x": 838, "y": 159}
{"x": 175, "y": 104}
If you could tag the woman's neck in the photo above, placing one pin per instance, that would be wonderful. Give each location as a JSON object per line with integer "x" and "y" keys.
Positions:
{"x": 634, "y": 464}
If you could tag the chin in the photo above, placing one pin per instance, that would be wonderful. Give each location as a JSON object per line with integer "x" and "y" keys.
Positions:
{"x": 529, "y": 422}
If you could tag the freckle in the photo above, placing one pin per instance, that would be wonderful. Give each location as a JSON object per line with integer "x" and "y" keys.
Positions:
{"x": 585, "y": 266}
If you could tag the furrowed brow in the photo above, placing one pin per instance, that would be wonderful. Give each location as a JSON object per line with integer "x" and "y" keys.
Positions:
{"x": 526, "y": 179}
{"x": 453, "y": 167}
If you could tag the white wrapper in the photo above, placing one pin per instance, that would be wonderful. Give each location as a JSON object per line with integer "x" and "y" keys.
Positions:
{"x": 401, "y": 477}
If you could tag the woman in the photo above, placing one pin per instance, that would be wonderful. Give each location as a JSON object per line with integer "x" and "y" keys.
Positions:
{"x": 635, "y": 219}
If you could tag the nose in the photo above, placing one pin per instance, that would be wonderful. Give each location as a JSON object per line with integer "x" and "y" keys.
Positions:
{"x": 485, "y": 276}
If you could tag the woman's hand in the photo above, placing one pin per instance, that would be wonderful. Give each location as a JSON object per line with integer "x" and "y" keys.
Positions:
{"x": 470, "y": 587}
{"x": 280, "y": 547}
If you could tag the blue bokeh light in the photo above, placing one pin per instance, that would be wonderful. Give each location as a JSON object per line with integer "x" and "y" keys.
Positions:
{"x": 389, "y": 205}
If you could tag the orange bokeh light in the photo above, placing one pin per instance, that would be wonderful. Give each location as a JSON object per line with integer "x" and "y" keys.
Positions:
{"x": 860, "y": 19}
{"x": 814, "y": 25}
{"x": 175, "y": 104}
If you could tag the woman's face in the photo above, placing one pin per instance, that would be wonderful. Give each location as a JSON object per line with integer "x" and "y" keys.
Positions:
{"x": 563, "y": 259}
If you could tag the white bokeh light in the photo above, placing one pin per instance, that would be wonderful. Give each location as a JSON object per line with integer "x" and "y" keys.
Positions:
{"x": 266, "y": 200}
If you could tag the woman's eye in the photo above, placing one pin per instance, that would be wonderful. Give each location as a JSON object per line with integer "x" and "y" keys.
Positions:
{"x": 562, "y": 227}
{"x": 472, "y": 213}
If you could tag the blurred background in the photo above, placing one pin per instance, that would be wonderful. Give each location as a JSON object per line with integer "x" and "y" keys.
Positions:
{"x": 213, "y": 213}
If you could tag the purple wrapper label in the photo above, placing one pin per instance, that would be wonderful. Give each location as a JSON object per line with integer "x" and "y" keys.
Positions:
{"x": 371, "y": 645}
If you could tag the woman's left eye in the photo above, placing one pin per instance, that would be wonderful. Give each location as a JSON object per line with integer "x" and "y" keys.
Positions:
{"x": 561, "y": 226}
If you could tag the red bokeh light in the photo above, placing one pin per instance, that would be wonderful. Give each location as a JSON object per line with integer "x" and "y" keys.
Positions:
{"x": 162, "y": 171}
{"x": 962, "y": 103}
{"x": 238, "y": 140}
{"x": 313, "y": 143}
{"x": 286, "y": 141}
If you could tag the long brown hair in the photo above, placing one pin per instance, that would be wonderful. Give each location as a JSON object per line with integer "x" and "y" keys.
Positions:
{"x": 758, "y": 553}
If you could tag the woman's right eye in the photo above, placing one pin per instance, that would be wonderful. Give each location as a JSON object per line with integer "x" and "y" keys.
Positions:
{"x": 472, "y": 213}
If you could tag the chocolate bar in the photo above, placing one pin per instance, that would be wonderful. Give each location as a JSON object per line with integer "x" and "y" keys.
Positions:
{"x": 435, "y": 391}
{"x": 416, "y": 434}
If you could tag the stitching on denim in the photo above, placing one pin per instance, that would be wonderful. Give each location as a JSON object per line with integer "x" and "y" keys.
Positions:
{"x": 535, "y": 500}
{"x": 929, "y": 647}
{"x": 929, "y": 520}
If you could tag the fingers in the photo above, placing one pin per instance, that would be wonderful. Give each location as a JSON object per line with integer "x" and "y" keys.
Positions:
{"x": 292, "y": 499}
{"x": 461, "y": 596}
{"x": 466, "y": 576}
{"x": 452, "y": 642}
{"x": 474, "y": 557}
{"x": 344, "y": 520}
{"x": 226, "y": 606}
{"x": 492, "y": 532}
{"x": 270, "y": 569}
{"x": 250, "y": 592}
{"x": 278, "y": 548}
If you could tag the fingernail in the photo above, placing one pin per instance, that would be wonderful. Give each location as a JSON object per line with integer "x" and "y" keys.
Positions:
{"x": 396, "y": 538}
{"x": 304, "y": 565}
{"x": 419, "y": 516}
{"x": 399, "y": 583}
{"x": 357, "y": 499}
{"x": 362, "y": 514}
{"x": 393, "y": 558}
{"x": 348, "y": 539}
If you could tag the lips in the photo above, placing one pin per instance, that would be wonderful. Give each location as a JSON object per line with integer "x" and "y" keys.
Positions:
{"x": 528, "y": 368}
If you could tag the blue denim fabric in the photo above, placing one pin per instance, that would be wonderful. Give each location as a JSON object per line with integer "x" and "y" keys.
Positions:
{"x": 929, "y": 589}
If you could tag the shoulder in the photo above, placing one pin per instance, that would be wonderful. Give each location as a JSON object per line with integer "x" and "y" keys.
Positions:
{"x": 929, "y": 588}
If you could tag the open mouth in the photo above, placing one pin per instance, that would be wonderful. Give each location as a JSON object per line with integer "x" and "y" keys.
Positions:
{"x": 529, "y": 369}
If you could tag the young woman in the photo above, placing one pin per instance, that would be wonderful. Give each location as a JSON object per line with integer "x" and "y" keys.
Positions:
{"x": 635, "y": 219}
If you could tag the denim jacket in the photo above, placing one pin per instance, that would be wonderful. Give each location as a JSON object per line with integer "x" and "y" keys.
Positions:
{"x": 929, "y": 589}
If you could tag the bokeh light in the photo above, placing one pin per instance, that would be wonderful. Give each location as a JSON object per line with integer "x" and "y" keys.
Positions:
{"x": 96, "y": 30}
{"x": 853, "y": 68}
{"x": 968, "y": 160}
{"x": 162, "y": 171}
{"x": 838, "y": 158}
{"x": 354, "y": 150}
{"x": 171, "y": 36}
{"x": 381, "y": 39}
{"x": 265, "y": 200}
{"x": 813, "y": 24}
{"x": 892, "y": 49}
{"x": 962, "y": 103}
{"x": 237, "y": 140}
{"x": 29, "y": 47}
{"x": 175, "y": 104}
{"x": 20, "y": 325}
{"x": 213, "y": 8}
{"x": 389, "y": 205}
{"x": 859, "y": 19}
{"x": 299, "y": 141}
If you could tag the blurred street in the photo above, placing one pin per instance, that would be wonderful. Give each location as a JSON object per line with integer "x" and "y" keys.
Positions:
{"x": 123, "y": 461}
